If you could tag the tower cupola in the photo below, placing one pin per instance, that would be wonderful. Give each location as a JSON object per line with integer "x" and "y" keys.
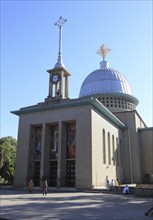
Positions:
{"x": 58, "y": 76}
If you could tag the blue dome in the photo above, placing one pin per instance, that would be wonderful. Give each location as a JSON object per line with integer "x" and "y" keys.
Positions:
{"x": 106, "y": 81}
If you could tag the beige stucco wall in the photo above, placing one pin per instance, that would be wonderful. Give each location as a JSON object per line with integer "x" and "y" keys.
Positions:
{"x": 132, "y": 162}
{"x": 90, "y": 169}
{"x": 22, "y": 153}
{"x": 81, "y": 115}
{"x": 146, "y": 149}
{"x": 100, "y": 170}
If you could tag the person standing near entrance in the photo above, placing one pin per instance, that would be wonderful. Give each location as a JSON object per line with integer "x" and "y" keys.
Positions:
{"x": 30, "y": 185}
{"x": 44, "y": 187}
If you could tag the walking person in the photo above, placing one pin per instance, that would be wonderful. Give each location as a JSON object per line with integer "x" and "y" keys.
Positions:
{"x": 30, "y": 185}
{"x": 118, "y": 182}
{"x": 44, "y": 187}
{"x": 111, "y": 184}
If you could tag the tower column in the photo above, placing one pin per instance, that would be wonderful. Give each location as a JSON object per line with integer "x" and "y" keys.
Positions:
{"x": 66, "y": 87}
{"x": 56, "y": 89}
{"x": 61, "y": 85}
{"x": 50, "y": 88}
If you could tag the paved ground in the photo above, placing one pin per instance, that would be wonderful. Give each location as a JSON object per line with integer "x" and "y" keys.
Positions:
{"x": 19, "y": 204}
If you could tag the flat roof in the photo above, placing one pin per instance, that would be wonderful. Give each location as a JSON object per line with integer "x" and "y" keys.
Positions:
{"x": 68, "y": 103}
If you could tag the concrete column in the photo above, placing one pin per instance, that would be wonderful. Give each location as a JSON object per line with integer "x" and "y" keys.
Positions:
{"x": 21, "y": 173}
{"x": 50, "y": 88}
{"x": 56, "y": 89}
{"x": 61, "y": 85}
{"x": 66, "y": 86}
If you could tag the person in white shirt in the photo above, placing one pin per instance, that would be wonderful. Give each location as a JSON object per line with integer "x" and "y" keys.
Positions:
{"x": 126, "y": 190}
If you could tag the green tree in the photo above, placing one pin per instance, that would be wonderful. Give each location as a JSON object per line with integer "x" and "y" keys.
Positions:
{"x": 7, "y": 158}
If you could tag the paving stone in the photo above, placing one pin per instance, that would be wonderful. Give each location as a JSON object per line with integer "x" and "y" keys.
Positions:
{"x": 19, "y": 204}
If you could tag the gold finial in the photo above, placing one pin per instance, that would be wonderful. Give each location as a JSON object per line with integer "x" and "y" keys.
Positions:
{"x": 103, "y": 51}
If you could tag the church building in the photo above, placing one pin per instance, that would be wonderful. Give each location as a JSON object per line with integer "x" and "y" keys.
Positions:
{"x": 84, "y": 142}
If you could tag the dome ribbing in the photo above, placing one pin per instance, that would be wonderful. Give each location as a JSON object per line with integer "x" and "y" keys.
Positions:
{"x": 107, "y": 82}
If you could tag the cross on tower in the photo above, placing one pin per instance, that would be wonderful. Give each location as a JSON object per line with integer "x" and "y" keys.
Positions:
{"x": 60, "y": 21}
{"x": 60, "y": 24}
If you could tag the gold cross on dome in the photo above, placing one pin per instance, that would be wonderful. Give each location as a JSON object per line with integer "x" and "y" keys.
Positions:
{"x": 103, "y": 51}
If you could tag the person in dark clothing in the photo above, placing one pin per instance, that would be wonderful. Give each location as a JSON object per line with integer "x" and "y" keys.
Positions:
{"x": 44, "y": 187}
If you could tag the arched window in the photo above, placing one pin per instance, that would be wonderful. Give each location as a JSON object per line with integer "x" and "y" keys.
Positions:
{"x": 121, "y": 154}
{"x": 113, "y": 149}
{"x": 117, "y": 153}
{"x": 109, "y": 150}
{"x": 104, "y": 147}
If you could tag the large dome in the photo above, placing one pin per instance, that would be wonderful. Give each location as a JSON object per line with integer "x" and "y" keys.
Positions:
{"x": 107, "y": 82}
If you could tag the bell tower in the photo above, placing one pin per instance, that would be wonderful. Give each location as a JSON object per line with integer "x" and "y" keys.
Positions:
{"x": 58, "y": 76}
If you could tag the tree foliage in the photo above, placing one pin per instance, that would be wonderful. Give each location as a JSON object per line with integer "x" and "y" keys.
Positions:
{"x": 7, "y": 158}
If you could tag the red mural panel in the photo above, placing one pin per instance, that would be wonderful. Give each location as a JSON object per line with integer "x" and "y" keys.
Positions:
{"x": 71, "y": 141}
{"x": 38, "y": 139}
{"x": 54, "y": 142}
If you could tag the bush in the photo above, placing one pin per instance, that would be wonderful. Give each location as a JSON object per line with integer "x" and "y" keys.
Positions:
{"x": 7, "y": 158}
